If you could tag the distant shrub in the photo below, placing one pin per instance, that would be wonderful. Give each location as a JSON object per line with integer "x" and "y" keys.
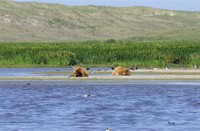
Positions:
{"x": 59, "y": 22}
{"x": 110, "y": 41}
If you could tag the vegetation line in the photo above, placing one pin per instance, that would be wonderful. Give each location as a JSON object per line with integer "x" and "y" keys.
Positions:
{"x": 101, "y": 54}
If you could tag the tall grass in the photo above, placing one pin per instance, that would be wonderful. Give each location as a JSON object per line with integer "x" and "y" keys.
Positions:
{"x": 101, "y": 54}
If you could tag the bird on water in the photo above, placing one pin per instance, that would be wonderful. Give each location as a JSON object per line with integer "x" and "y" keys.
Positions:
{"x": 86, "y": 95}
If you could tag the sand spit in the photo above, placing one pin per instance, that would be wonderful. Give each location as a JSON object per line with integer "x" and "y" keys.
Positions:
{"x": 142, "y": 77}
{"x": 142, "y": 74}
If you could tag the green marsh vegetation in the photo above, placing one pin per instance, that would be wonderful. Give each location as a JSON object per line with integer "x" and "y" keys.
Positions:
{"x": 101, "y": 54}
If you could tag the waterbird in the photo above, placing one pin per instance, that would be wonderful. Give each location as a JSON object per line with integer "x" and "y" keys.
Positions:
{"x": 108, "y": 129}
{"x": 86, "y": 95}
{"x": 28, "y": 84}
{"x": 171, "y": 123}
{"x": 195, "y": 66}
{"x": 183, "y": 68}
{"x": 166, "y": 67}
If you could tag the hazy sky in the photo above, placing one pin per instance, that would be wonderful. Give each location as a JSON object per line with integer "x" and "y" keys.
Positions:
{"x": 188, "y": 5}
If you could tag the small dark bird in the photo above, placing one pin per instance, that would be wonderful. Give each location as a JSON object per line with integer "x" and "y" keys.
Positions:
{"x": 113, "y": 68}
{"x": 28, "y": 84}
{"x": 171, "y": 123}
{"x": 108, "y": 129}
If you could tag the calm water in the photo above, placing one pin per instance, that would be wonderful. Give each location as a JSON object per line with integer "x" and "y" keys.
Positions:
{"x": 126, "y": 106}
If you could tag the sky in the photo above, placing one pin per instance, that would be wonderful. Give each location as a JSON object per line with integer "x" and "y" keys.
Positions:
{"x": 185, "y": 5}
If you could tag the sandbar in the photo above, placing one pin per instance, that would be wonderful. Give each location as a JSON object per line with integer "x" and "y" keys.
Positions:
{"x": 142, "y": 74}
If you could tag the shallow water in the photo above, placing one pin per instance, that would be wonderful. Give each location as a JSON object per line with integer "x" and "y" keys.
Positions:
{"x": 31, "y": 71}
{"x": 43, "y": 71}
{"x": 4, "y": 72}
{"x": 128, "y": 106}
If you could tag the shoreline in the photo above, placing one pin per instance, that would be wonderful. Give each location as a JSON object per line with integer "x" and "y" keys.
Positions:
{"x": 141, "y": 74}
{"x": 162, "y": 77}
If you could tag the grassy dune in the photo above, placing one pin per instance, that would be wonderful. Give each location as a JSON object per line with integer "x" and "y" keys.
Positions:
{"x": 37, "y": 22}
{"x": 101, "y": 54}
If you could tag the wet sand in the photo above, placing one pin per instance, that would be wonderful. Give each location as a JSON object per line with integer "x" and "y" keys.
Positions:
{"x": 142, "y": 74}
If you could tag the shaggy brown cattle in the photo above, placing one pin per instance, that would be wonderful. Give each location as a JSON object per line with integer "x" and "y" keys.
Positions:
{"x": 80, "y": 72}
{"x": 121, "y": 71}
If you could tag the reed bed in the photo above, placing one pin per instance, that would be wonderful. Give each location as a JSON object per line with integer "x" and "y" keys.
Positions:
{"x": 101, "y": 54}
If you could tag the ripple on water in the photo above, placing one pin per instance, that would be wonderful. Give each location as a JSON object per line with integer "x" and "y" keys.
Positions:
{"x": 61, "y": 106}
